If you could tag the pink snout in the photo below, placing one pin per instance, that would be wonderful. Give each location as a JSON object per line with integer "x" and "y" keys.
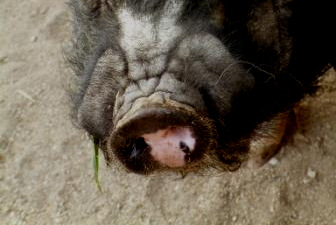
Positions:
{"x": 171, "y": 146}
{"x": 154, "y": 138}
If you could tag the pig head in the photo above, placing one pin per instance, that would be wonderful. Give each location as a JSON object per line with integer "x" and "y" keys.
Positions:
{"x": 183, "y": 85}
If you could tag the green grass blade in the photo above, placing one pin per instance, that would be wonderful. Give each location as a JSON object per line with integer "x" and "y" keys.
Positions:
{"x": 96, "y": 161}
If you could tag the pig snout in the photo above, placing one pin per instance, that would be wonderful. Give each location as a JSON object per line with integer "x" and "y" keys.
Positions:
{"x": 160, "y": 123}
{"x": 161, "y": 136}
{"x": 171, "y": 146}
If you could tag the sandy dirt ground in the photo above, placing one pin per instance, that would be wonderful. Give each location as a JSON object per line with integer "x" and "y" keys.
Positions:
{"x": 46, "y": 175}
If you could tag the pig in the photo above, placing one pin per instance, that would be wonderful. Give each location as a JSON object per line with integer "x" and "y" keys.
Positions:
{"x": 188, "y": 85}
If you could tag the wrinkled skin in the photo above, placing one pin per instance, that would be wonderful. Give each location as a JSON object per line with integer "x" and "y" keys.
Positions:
{"x": 184, "y": 85}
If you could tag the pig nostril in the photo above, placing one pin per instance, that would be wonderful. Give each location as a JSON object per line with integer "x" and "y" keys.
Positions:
{"x": 184, "y": 147}
{"x": 138, "y": 146}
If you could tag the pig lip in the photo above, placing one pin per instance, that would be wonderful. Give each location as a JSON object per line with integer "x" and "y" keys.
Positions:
{"x": 153, "y": 118}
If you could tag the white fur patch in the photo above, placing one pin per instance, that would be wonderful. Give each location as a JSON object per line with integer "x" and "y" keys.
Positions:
{"x": 146, "y": 42}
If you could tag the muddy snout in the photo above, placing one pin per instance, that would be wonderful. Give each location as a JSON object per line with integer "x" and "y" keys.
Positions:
{"x": 161, "y": 136}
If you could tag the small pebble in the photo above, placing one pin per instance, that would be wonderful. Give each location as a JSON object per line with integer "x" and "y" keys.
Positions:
{"x": 273, "y": 161}
{"x": 234, "y": 218}
{"x": 328, "y": 126}
{"x": 33, "y": 39}
{"x": 311, "y": 173}
{"x": 306, "y": 180}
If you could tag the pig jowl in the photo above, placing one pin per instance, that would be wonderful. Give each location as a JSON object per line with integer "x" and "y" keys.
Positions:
{"x": 184, "y": 85}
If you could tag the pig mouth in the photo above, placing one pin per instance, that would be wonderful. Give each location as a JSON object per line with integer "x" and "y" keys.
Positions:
{"x": 162, "y": 137}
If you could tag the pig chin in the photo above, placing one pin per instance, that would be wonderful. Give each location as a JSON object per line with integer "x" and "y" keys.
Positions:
{"x": 164, "y": 130}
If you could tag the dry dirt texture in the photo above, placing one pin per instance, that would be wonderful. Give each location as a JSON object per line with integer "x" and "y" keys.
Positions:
{"x": 46, "y": 175}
